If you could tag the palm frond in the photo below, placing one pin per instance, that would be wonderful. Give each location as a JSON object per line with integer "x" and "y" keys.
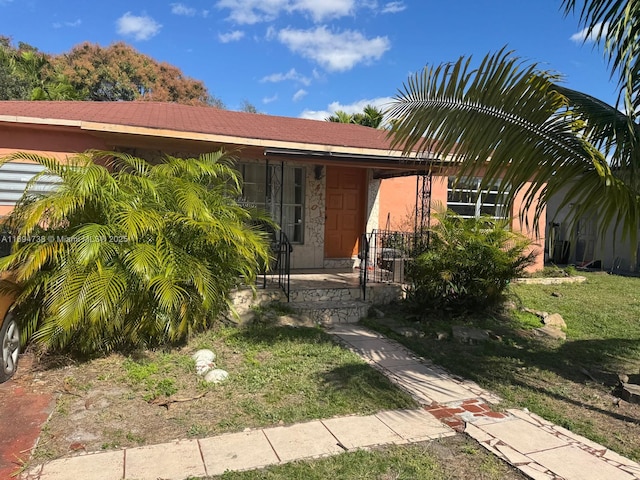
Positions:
{"x": 509, "y": 122}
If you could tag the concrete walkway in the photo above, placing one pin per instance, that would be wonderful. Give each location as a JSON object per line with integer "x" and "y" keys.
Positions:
{"x": 538, "y": 448}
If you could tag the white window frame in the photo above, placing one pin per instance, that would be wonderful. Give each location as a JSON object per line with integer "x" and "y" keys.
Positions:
{"x": 293, "y": 198}
{"x": 477, "y": 199}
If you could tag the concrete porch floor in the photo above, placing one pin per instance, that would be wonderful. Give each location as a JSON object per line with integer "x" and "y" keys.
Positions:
{"x": 304, "y": 279}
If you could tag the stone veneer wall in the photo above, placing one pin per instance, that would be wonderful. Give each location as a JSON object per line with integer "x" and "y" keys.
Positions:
{"x": 310, "y": 254}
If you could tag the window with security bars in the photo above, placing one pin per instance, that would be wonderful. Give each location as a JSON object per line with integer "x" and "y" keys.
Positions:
{"x": 264, "y": 187}
{"x": 467, "y": 199}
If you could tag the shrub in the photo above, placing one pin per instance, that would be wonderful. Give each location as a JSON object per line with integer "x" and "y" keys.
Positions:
{"x": 468, "y": 265}
{"x": 124, "y": 253}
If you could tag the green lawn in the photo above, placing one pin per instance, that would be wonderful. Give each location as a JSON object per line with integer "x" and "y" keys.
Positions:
{"x": 452, "y": 458}
{"x": 548, "y": 377}
{"x": 277, "y": 375}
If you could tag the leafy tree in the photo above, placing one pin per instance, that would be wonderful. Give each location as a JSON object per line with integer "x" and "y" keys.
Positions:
{"x": 119, "y": 72}
{"x": 248, "y": 107}
{"x": 28, "y": 74}
{"x": 534, "y": 129}
{"x": 11, "y": 87}
{"x": 468, "y": 265}
{"x": 370, "y": 117}
{"x": 340, "y": 116}
{"x": 126, "y": 253}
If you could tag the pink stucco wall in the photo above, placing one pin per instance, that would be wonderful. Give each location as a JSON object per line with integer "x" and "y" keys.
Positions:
{"x": 398, "y": 202}
{"x": 49, "y": 141}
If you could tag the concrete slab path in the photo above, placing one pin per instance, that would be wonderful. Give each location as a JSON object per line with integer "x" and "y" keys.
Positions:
{"x": 539, "y": 449}
{"x": 247, "y": 450}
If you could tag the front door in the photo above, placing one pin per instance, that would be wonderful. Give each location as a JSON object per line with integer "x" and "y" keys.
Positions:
{"x": 344, "y": 216}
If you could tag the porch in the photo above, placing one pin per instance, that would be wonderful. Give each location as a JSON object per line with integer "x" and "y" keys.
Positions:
{"x": 344, "y": 295}
{"x": 323, "y": 296}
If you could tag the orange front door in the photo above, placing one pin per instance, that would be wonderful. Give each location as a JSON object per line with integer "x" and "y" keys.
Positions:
{"x": 344, "y": 217}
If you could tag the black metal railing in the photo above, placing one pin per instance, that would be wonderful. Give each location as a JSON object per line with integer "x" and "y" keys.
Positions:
{"x": 280, "y": 266}
{"x": 284, "y": 264}
{"x": 384, "y": 255}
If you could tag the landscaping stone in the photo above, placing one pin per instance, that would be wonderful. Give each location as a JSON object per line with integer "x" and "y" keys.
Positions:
{"x": 555, "y": 320}
{"x": 216, "y": 376}
{"x": 293, "y": 321}
{"x": 629, "y": 392}
{"x": 202, "y": 367}
{"x": 550, "y": 280}
{"x": 410, "y": 332}
{"x": 204, "y": 355}
{"x": 550, "y": 332}
{"x": 469, "y": 335}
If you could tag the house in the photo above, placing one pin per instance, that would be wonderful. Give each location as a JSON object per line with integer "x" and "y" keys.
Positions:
{"x": 400, "y": 208}
{"x": 581, "y": 243}
{"x": 324, "y": 183}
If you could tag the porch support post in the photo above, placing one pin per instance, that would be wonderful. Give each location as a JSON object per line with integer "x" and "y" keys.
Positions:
{"x": 423, "y": 208}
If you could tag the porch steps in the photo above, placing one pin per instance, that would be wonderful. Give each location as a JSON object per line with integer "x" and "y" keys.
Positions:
{"x": 322, "y": 294}
{"x": 331, "y": 312}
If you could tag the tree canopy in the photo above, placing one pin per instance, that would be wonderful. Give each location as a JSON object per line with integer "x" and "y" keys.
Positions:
{"x": 370, "y": 117}
{"x": 119, "y": 72}
{"x": 91, "y": 72}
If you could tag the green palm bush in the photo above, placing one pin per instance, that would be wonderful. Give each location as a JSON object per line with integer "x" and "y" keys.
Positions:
{"x": 469, "y": 263}
{"x": 125, "y": 253}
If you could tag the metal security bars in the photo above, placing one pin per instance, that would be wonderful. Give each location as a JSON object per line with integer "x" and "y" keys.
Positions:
{"x": 384, "y": 255}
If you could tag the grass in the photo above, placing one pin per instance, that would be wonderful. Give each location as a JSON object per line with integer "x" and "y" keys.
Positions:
{"x": 446, "y": 459}
{"x": 548, "y": 377}
{"x": 277, "y": 375}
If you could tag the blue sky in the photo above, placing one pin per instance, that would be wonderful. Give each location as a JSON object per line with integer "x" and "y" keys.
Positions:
{"x": 307, "y": 58}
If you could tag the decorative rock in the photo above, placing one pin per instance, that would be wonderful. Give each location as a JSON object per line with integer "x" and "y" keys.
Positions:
{"x": 216, "y": 376}
{"x": 629, "y": 392}
{"x": 469, "y": 334}
{"x": 551, "y": 332}
{"x": 202, "y": 367}
{"x": 442, "y": 335}
{"x": 554, "y": 320}
{"x": 204, "y": 355}
{"x": 409, "y": 332}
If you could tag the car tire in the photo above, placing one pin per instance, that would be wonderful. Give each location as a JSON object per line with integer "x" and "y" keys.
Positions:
{"x": 9, "y": 347}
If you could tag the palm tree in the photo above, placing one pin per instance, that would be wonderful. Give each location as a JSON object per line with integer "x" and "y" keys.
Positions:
{"x": 370, "y": 117}
{"x": 533, "y": 129}
{"x": 124, "y": 253}
{"x": 340, "y": 116}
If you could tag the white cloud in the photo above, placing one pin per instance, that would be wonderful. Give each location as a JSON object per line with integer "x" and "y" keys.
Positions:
{"x": 139, "y": 27}
{"x": 583, "y": 36}
{"x": 76, "y": 23}
{"x": 270, "y": 99}
{"x": 299, "y": 95}
{"x": 355, "y": 107}
{"x": 325, "y": 9}
{"x": 255, "y": 11}
{"x": 394, "y": 7}
{"x": 334, "y": 51}
{"x": 290, "y": 75}
{"x": 231, "y": 36}
{"x": 182, "y": 9}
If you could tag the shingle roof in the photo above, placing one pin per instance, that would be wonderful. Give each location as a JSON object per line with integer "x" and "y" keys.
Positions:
{"x": 196, "y": 119}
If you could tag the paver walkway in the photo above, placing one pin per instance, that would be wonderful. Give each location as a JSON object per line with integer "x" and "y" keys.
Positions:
{"x": 540, "y": 450}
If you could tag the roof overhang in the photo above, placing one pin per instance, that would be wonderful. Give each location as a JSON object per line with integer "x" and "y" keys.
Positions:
{"x": 392, "y": 161}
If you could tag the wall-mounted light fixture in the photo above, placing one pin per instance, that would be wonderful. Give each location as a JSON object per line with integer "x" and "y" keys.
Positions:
{"x": 318, "y": 171}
